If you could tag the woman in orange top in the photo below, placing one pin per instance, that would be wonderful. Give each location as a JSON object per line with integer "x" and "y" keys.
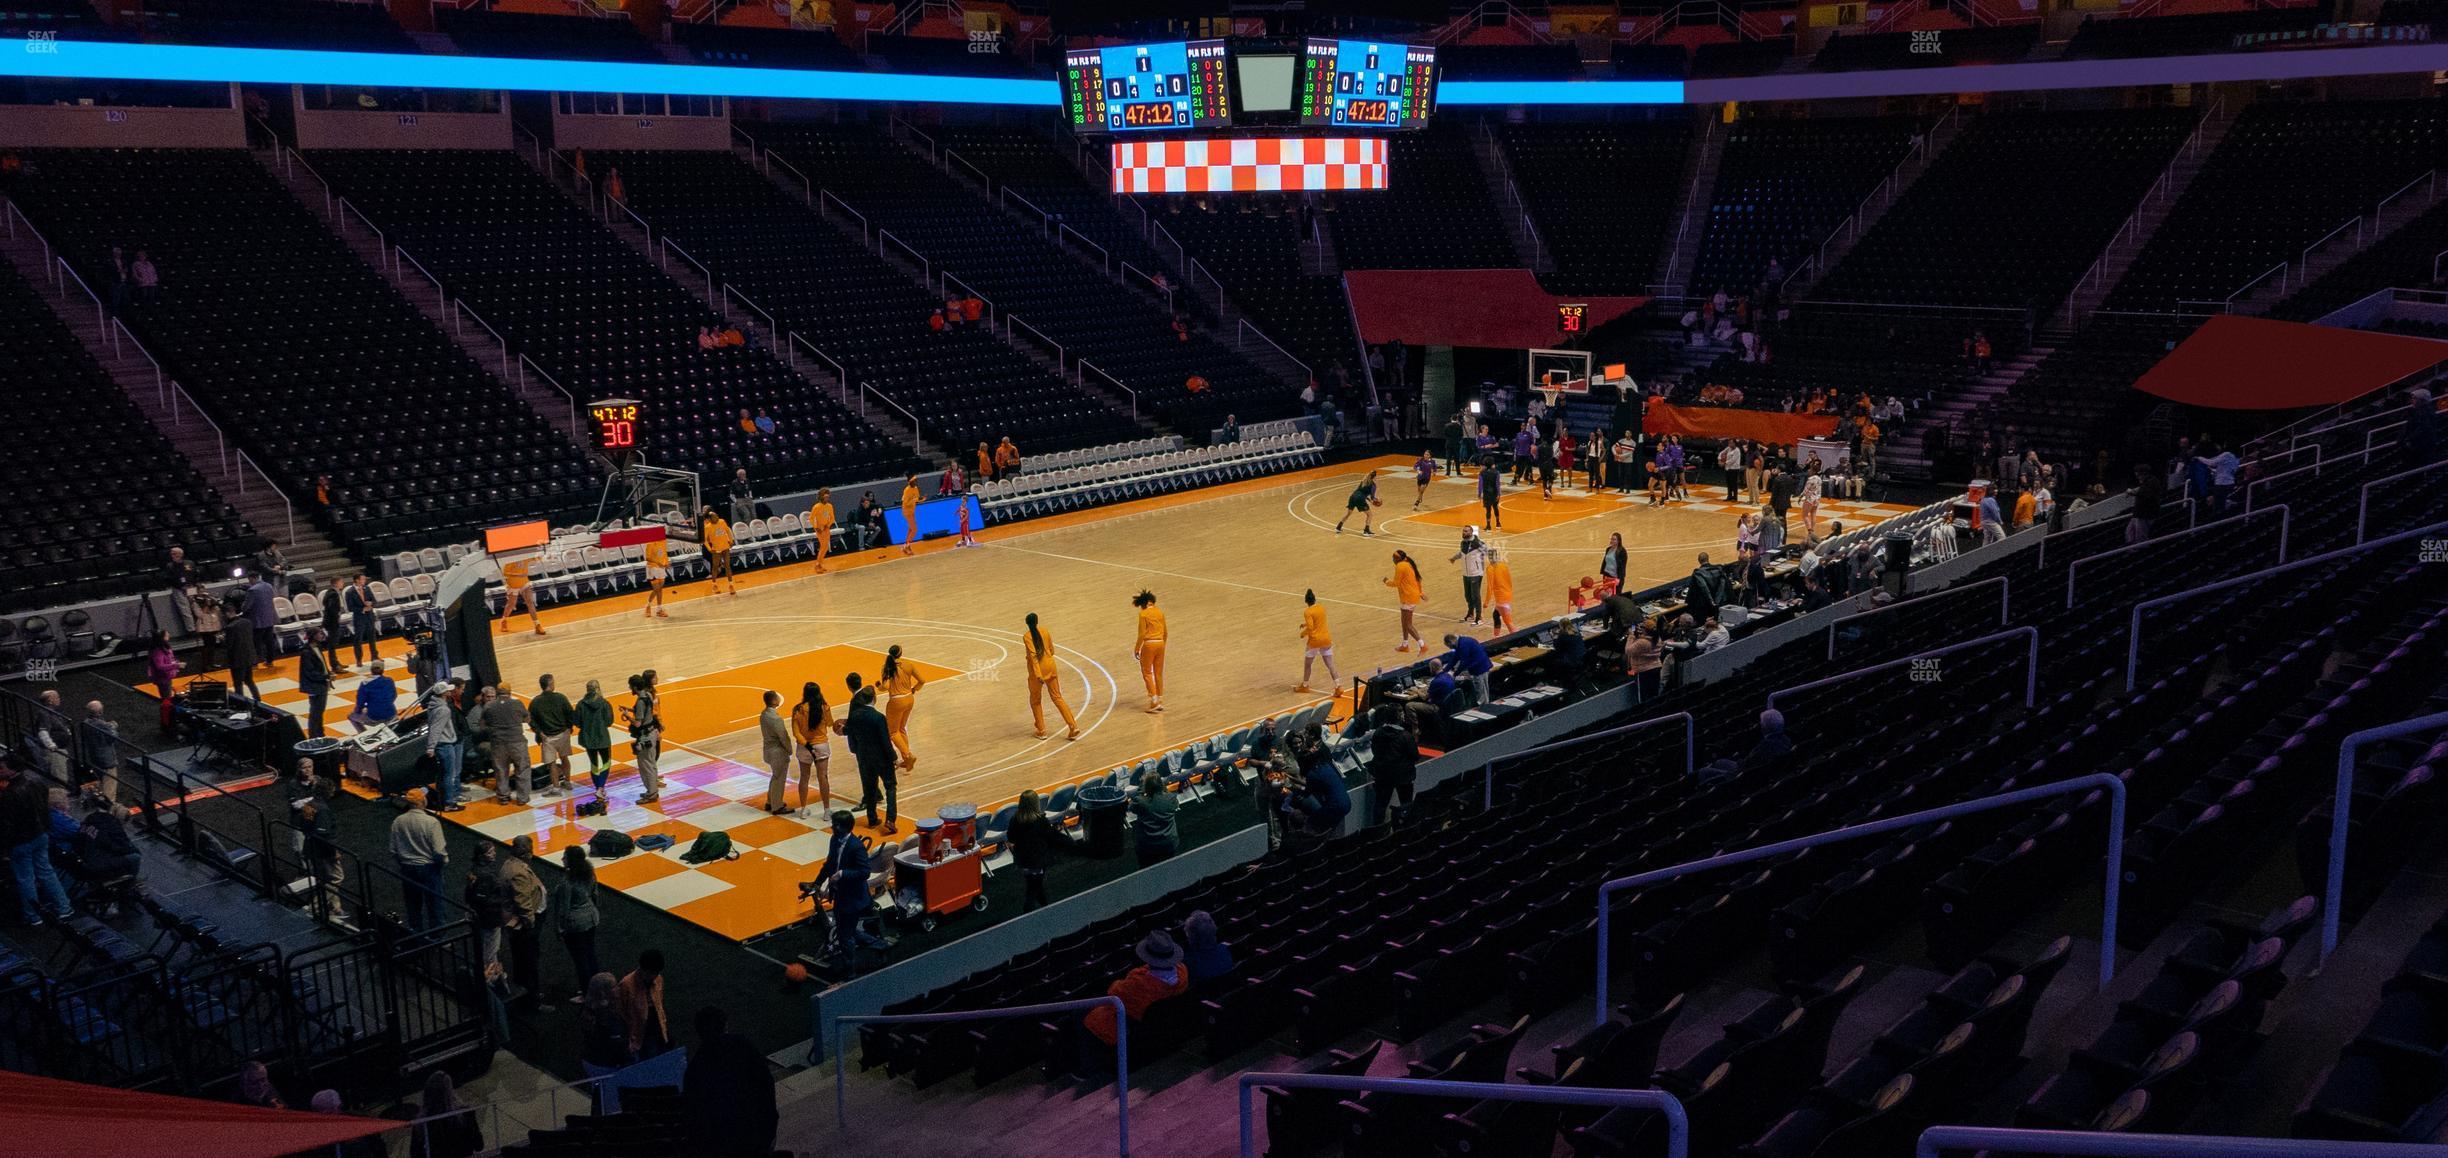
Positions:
{"x": 1007, "y": 458}
{"x": 1149, "y": 647}
{"x": 909, "y": 516}
{"x": 820, "y": 523}
{"x": 985, "y": 468}
{"x": 1044, "y": 678}
{"x": 658, "y": 573}
{"x": 717, "y": 543}
{"x": 522, "y": 592}
{"x": 1317, "y": 644}
{"x": 1406, "y": 584}
{"x": 900, "y": 683}
{"x": 1500, "y": 590}
{"x": 812, "y": 727}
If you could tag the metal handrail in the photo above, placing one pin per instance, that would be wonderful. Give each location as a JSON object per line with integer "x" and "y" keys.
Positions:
{"x": 2101, "y": 781}
{"x": 2227, "y": 305}
{"x": 1998, "y": 1140}
{"x": 1181, "y": 253}
{"x": 917, "y": 433}
{"x": 2003, "y": 600}
{"x": 773, "y": 329}
{"x": 1691, "y": 733}
{"x": 1674, "y": 256}
{"x": 841, "y": 376}
{"x": 1061, "y": 229}
{"x": 13, "y": 217}
{"x": 1044, "y": 219}
{"x": 2363, "y": 505}
{"x": 701, "y": 266}
{"x": 162, "y": 384}
{"x": 2031, "y": 668}
{"x": 648, "y": 230}
{"x": 1678, "y": 1123}
{"x": 2133, "y": 634}
{"x": 841, "y": 1068}
{"x": 755, "y": 151}
{"x": 1013, "y": 323}
{"x": 526, "y": 363}
{"x": 947, "y": 281}
{"x": 925, "y": 268}
{"x": 1085, "y": 367}
{"x": 807, "y": 189}
{"x": 102, "y": 315}
{"x": 949, "y": 157}
{"x": 289, "y": 508}
{"x": 382, "y": 244}
{"x": 2285, "y": 518}
{"x": 1245, "y": 328}
{"x": 2305, "y": 258}
{"x": 1153, "y": 285}
{"x": 2317, "y": 463}
{"x": 460, "y": 306}
{"x": 903, "y": 123}
{"x": 2430, "y": 179}
{"x": 441, "y": 296}
{"x": 292, "y": 160}
{"x": 2333, "y": 892}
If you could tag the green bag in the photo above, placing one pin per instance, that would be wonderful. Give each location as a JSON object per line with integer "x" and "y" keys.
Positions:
{"x": 710, "y": 846}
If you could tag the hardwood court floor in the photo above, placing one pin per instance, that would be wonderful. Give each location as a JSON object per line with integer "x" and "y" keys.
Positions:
{"x": 1228, "y": 565}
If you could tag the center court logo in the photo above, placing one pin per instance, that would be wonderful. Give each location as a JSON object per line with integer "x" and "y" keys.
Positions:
{"x": 42, "y": 43}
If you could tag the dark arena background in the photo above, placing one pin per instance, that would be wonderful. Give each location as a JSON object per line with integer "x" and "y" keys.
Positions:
{"x": 732, "y": 578}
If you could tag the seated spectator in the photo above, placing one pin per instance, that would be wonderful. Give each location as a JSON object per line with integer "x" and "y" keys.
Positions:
{"x": 973, "y": 309}
{"x": 764, "y": 423}
{"x": 952, "y": 312}
{"x": 1181, "y": 331}
{"x": 1160, "y": 977}
{"x": 747, "y": 424}
{"x": 1713, "y": 635}
{"x": 106, "y": 852}
{"x": 936, "y": 322}
{"x": 1007, "y": 458}
{"x": 1324, "y": 800}
{"x": 705, "y": 341}
{"x": 1153, "y": 810}
{"x": 1196, "y": 383}
{"x": 1204, "y": 953}
{"x": 1771, "y": 749}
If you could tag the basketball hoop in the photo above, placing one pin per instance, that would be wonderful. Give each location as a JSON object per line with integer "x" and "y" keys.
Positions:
{"x": 1552, "y": 394}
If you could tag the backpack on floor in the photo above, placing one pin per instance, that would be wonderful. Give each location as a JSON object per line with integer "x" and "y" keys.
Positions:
{"x": 609, "y": 844}
{"x": 655, "y": 841}
{"x": 710, "y": 846}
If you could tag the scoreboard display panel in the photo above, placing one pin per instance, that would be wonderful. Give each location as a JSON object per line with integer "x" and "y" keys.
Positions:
{"x": 1139, "y": 88}
{"x": 1359, "y": 84}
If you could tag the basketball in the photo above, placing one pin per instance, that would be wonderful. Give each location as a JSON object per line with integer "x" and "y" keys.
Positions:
{"x": 794, "y": 973}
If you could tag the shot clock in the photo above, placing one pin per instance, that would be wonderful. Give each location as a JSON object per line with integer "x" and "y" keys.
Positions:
{"x": 619, "y": 426}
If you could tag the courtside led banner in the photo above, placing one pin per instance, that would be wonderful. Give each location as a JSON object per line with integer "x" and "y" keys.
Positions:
{"x": 1245, "y": 165}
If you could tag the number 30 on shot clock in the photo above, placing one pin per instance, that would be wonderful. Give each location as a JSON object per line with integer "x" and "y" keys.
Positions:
{"x": 617, "y": 422}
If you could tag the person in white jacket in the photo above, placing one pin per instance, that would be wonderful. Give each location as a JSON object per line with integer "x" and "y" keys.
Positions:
{"x": 1473, "y": 557}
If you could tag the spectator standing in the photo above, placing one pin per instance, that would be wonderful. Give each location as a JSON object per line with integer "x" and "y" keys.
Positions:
{"x": 443, "y": 731}
{"x": 505, "y": 728}
{"x": 594, "y": 720}
{"x": 641, "y": 1005}
{"x": 182, "y": 577}
{"x": 603, "y": 1034}
{"x": 743, "y": 497}
{"x": 727, "y": 1105}
{"x": 489, "y": 905}
{"x": 449, "y": 1130}
{"x": 364, "y": 629}
{"x": 646, "y": 733}
{"x": 1730, "y": 460}
{"x": 555, "y": 722}
{"x": 25, "y": 810}
{"x": 1467, "y": 659}
{"x": 332, "y": 603}
{"x": 315, "y": 679}
{"x": 1153, "y": 820}
{"x": 576, "y": 917}
{"x": 870, "y": 738}
{"x": 775, "y": 734}
{"x": 146, "y": 277}
{"x": 1393, "y": 762}
{"x": 265, "y": 620}
{"x": 419, "y": 853}
{"x": 1032, "y": 843}
{"x": 162, "y": 668}
{"x": 1473, "y": 557}
{"x": 525, "y": 931}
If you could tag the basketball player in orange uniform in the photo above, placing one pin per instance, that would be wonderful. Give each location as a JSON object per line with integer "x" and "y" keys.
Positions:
{"x": 1500, "y": 591}
{"x": 1316, "y": 644}
{"x": 522, "y": 593}
{"x": 909, "y": 516}
{"x": 820, "y": 522}
{"x": 717, "y": 536}
{"x": 658, "y": 573}
{"x": 1148, "y": 646}
{"x": 1407, "y": 594}
{"x": 1044, "y": 678}
{"x": 900, "y": 683}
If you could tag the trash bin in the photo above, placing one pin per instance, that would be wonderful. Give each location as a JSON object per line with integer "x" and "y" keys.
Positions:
{"x": 1102, "y": 816}
{"x": 326, "y": 753}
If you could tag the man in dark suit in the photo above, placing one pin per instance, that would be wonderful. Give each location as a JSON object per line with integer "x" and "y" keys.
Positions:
{"x": 315, "y": 679}
{"x": 334, "y": 600}
{"x": 1781, "y": 486}
{"x": 1707, "y": 590}
{"x": 871, "y": 743}
{"x": 364, "y": 631}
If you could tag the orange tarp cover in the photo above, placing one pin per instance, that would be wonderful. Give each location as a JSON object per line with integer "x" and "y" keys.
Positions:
{"x": 1723, "y": 422}
{"x": 50, "y": 1118}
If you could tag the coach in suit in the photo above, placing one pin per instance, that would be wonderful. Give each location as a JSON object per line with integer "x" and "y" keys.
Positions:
{"x": 777, "y": 738}
{"x": 315, "y": 679}
{"x": 871, "y": 743}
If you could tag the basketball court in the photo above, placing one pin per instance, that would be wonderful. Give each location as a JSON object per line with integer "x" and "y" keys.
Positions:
{"x": 1228, "y": 564}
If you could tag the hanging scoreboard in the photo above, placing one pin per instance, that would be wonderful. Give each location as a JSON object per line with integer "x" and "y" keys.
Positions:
{"x": 1139, "y": 88}
{"x": 1359, "y": 84}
